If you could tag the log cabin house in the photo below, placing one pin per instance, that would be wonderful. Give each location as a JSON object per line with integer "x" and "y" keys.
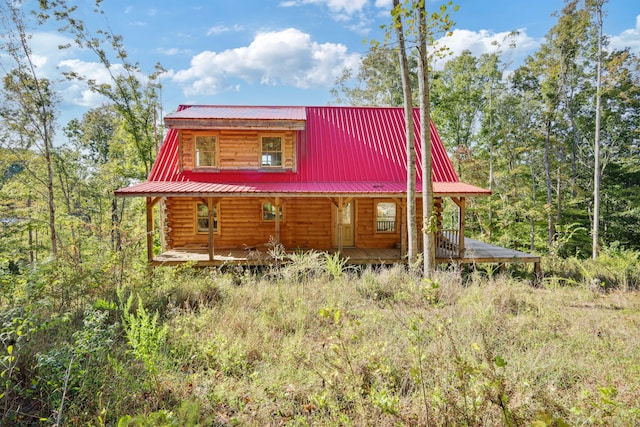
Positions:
{"x": 229, "y": 181}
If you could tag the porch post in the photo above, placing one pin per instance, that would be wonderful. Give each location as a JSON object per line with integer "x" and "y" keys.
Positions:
{"x": 463, "y": 214}
{"x": 151, "y": 202}
{"x": 276, "y": 204}
{"x": 210, "y": 206}
{"x": 403, "y": 228}
{"x": 163, "y": 240}
{"x": 339, "y": 223}
{"x": 149, "y": 229}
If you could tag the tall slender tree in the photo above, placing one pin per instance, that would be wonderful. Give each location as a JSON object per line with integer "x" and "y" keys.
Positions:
{"x": 412, "y": 234}
{"x": 29, "y": 106}
{"x": 598, "y": 4}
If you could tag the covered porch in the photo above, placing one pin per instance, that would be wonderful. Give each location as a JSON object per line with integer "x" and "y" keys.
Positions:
{"x": 475, "y": 252}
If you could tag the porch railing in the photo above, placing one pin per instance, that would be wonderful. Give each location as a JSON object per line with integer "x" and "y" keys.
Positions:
{"x": 386, "y": 225}
{"x": 448, "y": 244}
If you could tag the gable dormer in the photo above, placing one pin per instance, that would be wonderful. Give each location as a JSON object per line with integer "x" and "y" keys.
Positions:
{"x": 217, "y": 138}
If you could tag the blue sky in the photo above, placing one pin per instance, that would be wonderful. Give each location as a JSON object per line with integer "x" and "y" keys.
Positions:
{"x": 283, "y": 52}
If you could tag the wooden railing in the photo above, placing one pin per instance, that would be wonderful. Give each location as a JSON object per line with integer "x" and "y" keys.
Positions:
{"x": 448, "y": 244}
{"x": 386, "y": 225}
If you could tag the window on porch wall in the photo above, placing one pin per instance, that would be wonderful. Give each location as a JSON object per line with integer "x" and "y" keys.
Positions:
{"x": 385, "y": 217}
{"x": 269, "y": 212}
{"x": 202, "y": 213}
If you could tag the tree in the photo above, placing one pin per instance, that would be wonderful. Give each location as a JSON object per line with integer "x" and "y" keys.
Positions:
{"x": 377, "y": 82}
{"x": 412, "y": 226}
{"x": 29, "y": 108}
{"x": 133, "y": 95}
{"x": 598, "y": 4}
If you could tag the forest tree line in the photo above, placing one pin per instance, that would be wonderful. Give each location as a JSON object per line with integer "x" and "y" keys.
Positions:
{"x": 525, "y": 133}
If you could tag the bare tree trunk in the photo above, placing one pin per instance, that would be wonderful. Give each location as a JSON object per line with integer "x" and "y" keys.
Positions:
{"x": 547, "y": 175}
{"x": 412, "y": 226}
{"x": 428, "y": 234}
{"x": 596, "y": 149}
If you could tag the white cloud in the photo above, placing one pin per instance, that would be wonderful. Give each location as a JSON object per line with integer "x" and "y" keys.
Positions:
{"x": 46, "y": 53}
{"x": 287, "y": 57}
{"x": 385, "y": 4}
{"x": 628, "y": 38}
{"x": 78, "y": 93}
{"x": 342, "y": 9}
{"x": 219, "y": 29}
{"x": 514, "y": 45}
{"x": 171, "y": 51}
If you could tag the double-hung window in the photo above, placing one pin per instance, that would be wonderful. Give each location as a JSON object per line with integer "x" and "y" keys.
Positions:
{"x": 202, "y": 213}
{"x": 206, "y": 151}
{"x": 385, "y": 217}
{"x": 271, "y": 151}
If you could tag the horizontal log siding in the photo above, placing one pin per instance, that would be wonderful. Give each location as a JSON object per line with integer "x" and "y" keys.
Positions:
{"x": 366, "y": 236}
{"x": 307, "y": 224}
{"x": 237, "y": 149}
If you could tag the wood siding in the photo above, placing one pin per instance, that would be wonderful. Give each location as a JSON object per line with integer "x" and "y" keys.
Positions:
{"x": 307, "y": 224}
{"x": 366, "y": 235}
{"x": 237, "y": 149}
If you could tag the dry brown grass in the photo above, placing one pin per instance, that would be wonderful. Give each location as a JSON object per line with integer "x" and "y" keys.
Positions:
{"x": 384, "y": 348}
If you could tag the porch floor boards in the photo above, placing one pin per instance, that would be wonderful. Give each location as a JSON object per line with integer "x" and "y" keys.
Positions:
{"x": 475, "y": 252}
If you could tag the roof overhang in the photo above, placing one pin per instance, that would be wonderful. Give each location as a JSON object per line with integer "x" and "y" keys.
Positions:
{"x": 238, "y": 117}
{"x": 208, "y": 124}
{"x": 262, "y": 189}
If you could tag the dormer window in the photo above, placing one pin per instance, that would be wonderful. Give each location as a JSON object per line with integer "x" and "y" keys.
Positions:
{"x": 206, "y": 151}
{"x": 271, "y": 151}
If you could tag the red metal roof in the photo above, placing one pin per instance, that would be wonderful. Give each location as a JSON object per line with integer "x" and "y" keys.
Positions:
{"x": 343, "y": 150}
{"x": 238, "y": 112}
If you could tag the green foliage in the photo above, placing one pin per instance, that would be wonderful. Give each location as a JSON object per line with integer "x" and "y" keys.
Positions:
{"x": 145, "y": 335}
{"x": 187, "y": 414}
{"x": 335, "y": 265}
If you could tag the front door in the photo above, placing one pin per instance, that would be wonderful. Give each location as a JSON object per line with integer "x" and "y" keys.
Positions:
{"x": 347, "y": 226}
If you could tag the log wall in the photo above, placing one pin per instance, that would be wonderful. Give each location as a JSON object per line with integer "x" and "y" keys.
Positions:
{"x": 366, "y": 236}
{"x": 237, "y": 149}
{"x": 307, "y": 224}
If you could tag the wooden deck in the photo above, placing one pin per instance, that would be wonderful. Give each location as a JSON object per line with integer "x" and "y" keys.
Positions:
{"x": 475, "y": 252}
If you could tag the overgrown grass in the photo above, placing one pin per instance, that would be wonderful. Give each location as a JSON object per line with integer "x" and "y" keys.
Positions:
{"x": 312, "y": 342}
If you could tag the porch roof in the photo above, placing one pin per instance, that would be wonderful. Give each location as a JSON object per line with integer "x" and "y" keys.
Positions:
{"x": 299, "y": 189}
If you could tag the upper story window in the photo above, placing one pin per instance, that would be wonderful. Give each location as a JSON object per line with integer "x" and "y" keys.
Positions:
{"x": 206, "y": 146}
{"x": 385, "y": 217}
{"x": 271, "y": 151}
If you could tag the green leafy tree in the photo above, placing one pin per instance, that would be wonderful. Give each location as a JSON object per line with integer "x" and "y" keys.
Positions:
{"x": 29, "y": 108}
{"x": 133, "y": 95}
{"x": 376, "y": 82}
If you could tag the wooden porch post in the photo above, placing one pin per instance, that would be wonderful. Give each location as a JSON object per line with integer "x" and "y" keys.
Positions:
{"x": 339, "y": 222}
{"x": 149, "y": 229}
{"x": 463, "y": 214}
{"x": 403, "y": 228}
{"x": 163, "y": 240}
{"x": 151, "y": 202}
{"x": 276, "y": 204}
{"x": 210, "y": 206}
